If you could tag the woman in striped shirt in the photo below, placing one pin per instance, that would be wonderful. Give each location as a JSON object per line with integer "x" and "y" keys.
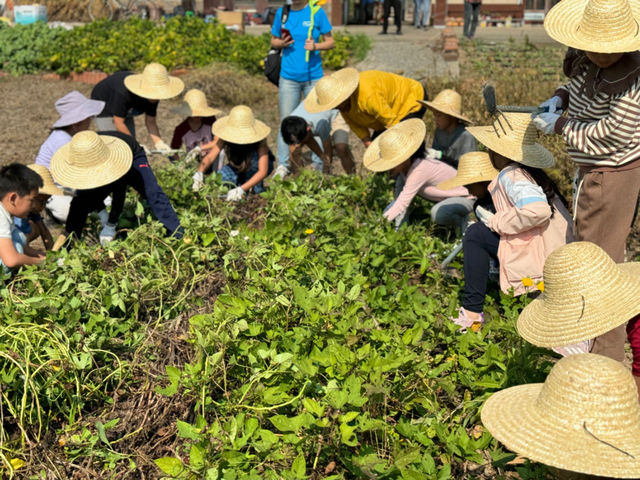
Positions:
{"x": 602, "y": 126}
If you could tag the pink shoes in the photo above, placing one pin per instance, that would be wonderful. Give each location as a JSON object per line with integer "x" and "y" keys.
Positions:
{"x": 464, "y": 321}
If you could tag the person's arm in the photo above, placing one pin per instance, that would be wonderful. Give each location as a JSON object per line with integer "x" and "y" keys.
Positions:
{"x": 276, "y": 32}
{"x": 415, "y": 181}
{"x": 118, "y": 122}
{"x": 263, "y": 168}
{"x": 152, "y": 128}
{"x": 42, "y": 231}
{"x": 312, "y": 143}
{"x": 215, "y": 147}
{"x": 12, "y": 258}
{"x": 327, "y": 43}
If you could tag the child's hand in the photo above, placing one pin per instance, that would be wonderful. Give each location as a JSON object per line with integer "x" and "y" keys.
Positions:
{"x": 484, "y": 216}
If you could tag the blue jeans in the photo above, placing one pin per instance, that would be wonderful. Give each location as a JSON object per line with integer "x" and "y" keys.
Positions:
{"x": 230, "y": 174}
{"x": 290, "y": 96}
{"x": 422, "y": 7}
{"x": 19, "y": 242}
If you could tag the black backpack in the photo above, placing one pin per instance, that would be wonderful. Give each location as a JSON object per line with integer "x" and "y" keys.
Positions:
{"x": 274, "y": 57}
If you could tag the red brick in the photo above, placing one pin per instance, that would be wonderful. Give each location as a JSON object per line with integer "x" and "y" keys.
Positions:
{"x": 51, "y": 76}
{"x": 179, "y": 72}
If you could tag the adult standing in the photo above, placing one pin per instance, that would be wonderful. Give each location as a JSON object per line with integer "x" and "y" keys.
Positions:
{"x": 299, "y": 72}
{"x": 422, "y": 9}
{"x": 471, "y": 11}
{"x": 127, "y": 95}
{"x": 602, "y": 100}
{"x": 369, "y": 101}
{"x": 397, "y": 15}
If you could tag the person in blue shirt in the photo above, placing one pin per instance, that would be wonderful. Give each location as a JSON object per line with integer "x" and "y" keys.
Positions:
{"x": 297, "y": 75}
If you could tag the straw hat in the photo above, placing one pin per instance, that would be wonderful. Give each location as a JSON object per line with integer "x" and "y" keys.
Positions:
{"x": 240, "y": 126}
{"x": 603, "y": 26}
{"x": 584, "y": 418}
{"x": 395, "y": 145}
{"x": 154, "y": 83}
{"x": 331, "y": 91}
{"x": 195, "y": 105}
{"x": 448, "y": 102}
{"x": 90, "y": 160}
{"x": 473, "y": 167}
{"x": 513, "y": 135}
{"x": 49, "y": 187}
{"x": 585, "y": 295}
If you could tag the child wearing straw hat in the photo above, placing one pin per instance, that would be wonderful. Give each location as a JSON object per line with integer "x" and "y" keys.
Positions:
{"x": 402, "y": 151}
{"x": 602, "y": 102}
{"x": 584, "y": 418}
{"x": 530, "y": 219}
{"x": 18, "y": 189}
{"x": 243, "y": 139}
{"x": 194, "y": 133}
{"x": 450, "y": 139}
{"x": 572, "y": 311}
{"x": 369, "y": 101}
{"x": 76, "y": 112}
{"x": 127, "y": 95}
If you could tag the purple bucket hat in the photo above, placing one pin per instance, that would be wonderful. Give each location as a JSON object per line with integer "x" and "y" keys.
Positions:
{"x": 75, "y": 107}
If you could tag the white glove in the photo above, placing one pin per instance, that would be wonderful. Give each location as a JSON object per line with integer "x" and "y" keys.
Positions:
{"x": 193, "y": 153}
{"x": 546, "y": 122}
{"x": 235, "y": 194}
{"x": 280, "y": 171}
{"x": 433, "y": 153}
{"x": 147, "y": 152}
{"x": 198, "y": 181}
{"x": 107, "y": 233}
{"x": 162, "y": 147}
{"x": 554, "y": 103}
{"x": 484, "y": 215}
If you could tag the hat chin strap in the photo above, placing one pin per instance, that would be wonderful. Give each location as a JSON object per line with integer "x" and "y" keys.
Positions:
{"x": 584, "y": 427}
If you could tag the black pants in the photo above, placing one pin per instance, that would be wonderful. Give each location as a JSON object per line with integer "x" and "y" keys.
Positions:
{"x": 479, "y": 244}
{"x": 397, "y": 14}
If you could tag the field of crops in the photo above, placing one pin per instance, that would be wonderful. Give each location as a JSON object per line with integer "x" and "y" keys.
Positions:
{"x": 295, "y": 335}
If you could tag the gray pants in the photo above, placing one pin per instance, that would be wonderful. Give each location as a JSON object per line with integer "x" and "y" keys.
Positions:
{"x": 105, "y": 124}
{"x": 471, "y": 11}
{"x": 452, "y": 212}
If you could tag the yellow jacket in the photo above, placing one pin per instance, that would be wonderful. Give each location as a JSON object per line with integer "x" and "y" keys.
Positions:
{"x": 382, "y": 100}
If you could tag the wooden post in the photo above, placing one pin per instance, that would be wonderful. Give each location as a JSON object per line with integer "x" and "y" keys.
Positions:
{"x": 336, "y": 12}
{"x": 440, "y": 13}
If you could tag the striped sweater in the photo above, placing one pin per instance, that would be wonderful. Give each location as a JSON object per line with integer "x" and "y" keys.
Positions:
{"x": 603, "y": 130}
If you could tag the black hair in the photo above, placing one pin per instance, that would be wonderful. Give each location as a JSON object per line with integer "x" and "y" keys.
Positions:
{"x": 239, "y": 155}
{"x": 294, "y": 130}
{"x": 18, "y": 178}
{"x": 421, "y": 152}
{"x": 548, "y": 186}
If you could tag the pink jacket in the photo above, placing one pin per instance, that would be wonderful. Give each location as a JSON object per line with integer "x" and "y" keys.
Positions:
{"x": 527, "y": 232}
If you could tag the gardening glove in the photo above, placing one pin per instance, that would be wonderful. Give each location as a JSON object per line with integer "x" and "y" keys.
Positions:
{"x": 554, "y": 104}
{"x": 546, "y": 122}
{"x": 433, "y": 153}
{"x": 235, "y": 194}
{"x": 147, "y": 152}
{"x": 162, "y": 147}
{"x": 198, "y": 181}
{"x": 484, "y": 216}
{"x": 107, "y": 234}
{"x": 193, "y": 153}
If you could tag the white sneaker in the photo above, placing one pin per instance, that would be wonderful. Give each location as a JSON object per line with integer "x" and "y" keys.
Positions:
{"x": 280, "y": 171}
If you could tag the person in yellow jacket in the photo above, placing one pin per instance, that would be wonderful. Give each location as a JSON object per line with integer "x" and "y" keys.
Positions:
{"x": 369, "y": 101}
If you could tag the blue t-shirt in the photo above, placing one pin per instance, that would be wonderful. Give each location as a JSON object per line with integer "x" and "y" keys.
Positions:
{"x": 294, "y": 66}
{"x": 320, "y": 123}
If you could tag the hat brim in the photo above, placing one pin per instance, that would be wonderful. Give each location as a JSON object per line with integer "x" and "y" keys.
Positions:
{"x": 513, "y": 418}
{"x": 242, "y": 136}
{"x": 546, "y": 325}
{"x": 348, "y": 78}
{"x": 89, "y": 109}
{"x": 117, "y": 163}
{"x": 415, "y": 130}
{"x": 531, "y": 155}
{"x": 562, "y": 24}
{"x": 446, "y": 111}
{"x": 462, "y": 181}
{"x": 185, "y": 110}
{"x": 50, "y": 190}
{"x": 135, "y": 84}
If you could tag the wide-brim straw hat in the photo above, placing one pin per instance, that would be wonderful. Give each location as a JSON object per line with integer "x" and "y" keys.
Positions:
{"x": 331, "y": 91}
{"x": 513, "y": 135}
{"x": 195, "y": 105}
{"x": 395, "y": 145}
{"x": 48, "y": 187}
{"x": 154, "y": 83}
{"x": 585, "y": 295}
{"x": 473, "y": 167}
{"x": 90, "y": 160}
{"x": 240, "y": 127}
{"x": 448, "y": 102}
{"x": 602, "y": 26}
{"x": 585, "y": 418}
{"x": 74, "y": 108}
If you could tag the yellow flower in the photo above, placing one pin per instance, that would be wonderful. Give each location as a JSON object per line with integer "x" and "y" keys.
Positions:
{"x": 476, "y": 327}
{"x": 527, "y": 282}
{"x": 16, "y": 463}
{"x": 308, "y": 231}
{"x": 56, "y": 368}
{"x": 540, "y": 286}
